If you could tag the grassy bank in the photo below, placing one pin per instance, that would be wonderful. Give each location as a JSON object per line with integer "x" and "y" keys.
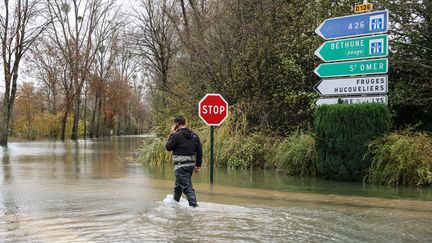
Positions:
{"x": 401, "y": 158}
{"x": 296, "y": 155}
{"x": 234, "y": 147}
{"x": 398, "y": 158}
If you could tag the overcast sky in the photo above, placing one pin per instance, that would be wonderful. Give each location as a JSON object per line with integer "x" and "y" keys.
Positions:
{"x": 22, "y": 77}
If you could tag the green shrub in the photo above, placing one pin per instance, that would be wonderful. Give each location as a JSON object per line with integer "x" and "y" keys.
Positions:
{"x": 403, "y": 158}
{"x": 254, "y": 151}
{"x": 343, "y": 132}
{"x": 296, "y": 155}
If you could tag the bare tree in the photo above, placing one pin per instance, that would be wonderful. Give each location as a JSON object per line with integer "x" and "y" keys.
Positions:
{"x": 20, "y": 26}
{"x": 102, "y": 71}
{"x": 79, "y": 29}
{"x": 126, "y": 66}
{"x": 46, "y": 64}
{"x": 155, "y": 37}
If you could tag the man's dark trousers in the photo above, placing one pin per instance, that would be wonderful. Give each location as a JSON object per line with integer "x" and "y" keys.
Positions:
{"x": 183, "y": 184}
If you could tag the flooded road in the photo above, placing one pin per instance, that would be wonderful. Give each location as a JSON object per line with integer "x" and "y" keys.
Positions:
{"x": 94, "y": 191}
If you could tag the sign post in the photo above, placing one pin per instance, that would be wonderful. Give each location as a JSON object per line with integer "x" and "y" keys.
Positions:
{"x": 382, "y": 99}
{"x": 354, "y": 48}
{"x": 353, "y": 86}
{"x": 354, "y": 25}
{"x": 211, "y": 153}
{"x": 339, "y": 69}
{"x": 213, "y": 110}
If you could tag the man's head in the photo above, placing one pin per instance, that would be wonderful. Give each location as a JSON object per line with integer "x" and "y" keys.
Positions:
{"x": 180, "y": 121}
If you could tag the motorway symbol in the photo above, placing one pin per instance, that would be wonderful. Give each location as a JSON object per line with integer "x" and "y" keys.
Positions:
{"x": 353, "y": 86}
{"x": 382, "y": 99}
{"x": 354, "y": 25}
{"x": 353, "y": 68}
{"x": 354, "y": 48}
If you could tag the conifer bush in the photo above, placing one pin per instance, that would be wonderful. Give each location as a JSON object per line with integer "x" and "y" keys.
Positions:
{"x": 343, "y": 132}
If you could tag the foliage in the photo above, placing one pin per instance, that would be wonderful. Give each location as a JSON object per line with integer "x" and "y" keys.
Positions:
{"x": 153, "y": 152}
{"x": 234, "y": 147}
{"x": 26, "y": 104}
{"x": 254, "y": 151}
{"x": 261, "y": 53}
{"x": 44, "y": 125}
{"x": 343, "y": 132}
{"x": 401, "y": 158}
{"x": 31, "y": 122}
{"x": 296, "y": 155}
{"x": 411, "y": 65}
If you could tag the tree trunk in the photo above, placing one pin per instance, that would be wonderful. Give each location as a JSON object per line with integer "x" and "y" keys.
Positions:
{"x": 98, "y": 117}
{"x": 93, "y": 120}
{"x": 129, "y": 120}
{"x": 63, "y": 128}
{"x": 4, "y": 130}
{"x": 85, "y": 114}
{"x": 118, "y": 125}
{"x": 8, "y": 103}
{"x": 74, "y": 135}
{"x": 54, "y": 101}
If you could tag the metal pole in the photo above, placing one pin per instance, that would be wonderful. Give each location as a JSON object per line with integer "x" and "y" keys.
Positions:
{"x": 211, "y": 153}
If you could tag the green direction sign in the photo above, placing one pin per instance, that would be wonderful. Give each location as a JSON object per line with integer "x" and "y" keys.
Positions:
{"x": 353, "y": 48}
{"x": 337, "y": 69}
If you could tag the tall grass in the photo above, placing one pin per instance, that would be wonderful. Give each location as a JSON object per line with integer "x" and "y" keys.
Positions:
{"x": 296, "y": 155}
{"x": 153, "y": 152}
{"x": 401, "y": 158}
{"x": 234, "y": 145}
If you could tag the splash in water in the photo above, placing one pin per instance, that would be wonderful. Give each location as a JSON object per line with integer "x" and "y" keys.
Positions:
{"x": 169, "y": 200}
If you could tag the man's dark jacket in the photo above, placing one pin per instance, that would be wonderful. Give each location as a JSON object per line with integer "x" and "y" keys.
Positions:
{"x": 184, "y": 142}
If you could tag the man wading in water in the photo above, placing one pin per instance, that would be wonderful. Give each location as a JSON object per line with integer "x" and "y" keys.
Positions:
{"x": 187, "y": 156}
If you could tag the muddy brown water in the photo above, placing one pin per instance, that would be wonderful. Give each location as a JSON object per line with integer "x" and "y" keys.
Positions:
{"x": 95, "y": 191}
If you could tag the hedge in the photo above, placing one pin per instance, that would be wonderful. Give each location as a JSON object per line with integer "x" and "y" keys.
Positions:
{"x": 343, "y": 132}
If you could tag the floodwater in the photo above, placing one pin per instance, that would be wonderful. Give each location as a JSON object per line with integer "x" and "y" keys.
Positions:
{"x": 95, "y": 191}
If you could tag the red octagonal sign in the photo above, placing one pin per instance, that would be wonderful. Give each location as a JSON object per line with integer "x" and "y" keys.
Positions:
{"x": 213, "y": 109}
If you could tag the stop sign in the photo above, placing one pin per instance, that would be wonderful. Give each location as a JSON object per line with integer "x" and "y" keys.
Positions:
{"x": 213, "y": 109}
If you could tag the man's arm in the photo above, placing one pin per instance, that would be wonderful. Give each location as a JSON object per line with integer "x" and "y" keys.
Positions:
{"x": 172, "y": 142}
{"x": 198, "y": 153}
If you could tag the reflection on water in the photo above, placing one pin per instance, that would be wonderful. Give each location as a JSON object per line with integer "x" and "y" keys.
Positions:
{"x": 86, "y": 192}
{"x": 273, "y": 180}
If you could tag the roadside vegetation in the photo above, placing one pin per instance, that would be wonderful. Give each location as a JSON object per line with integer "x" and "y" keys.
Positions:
{"x": 234, "y": 146}
{"x": 259, "y": 56}
{"x": 401, "y": 158}
{"x": 118, "y": 69}
{"x": 342, "y": 133}
{"x": 296, "y": 155}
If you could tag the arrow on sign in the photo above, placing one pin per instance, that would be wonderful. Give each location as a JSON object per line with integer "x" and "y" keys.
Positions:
{"x": 353, "y": 68}
{"x": 354, "y": 48}
{"x": 353, "y": 86}
{"x": 354, "y": 25}
{"x": 382, "y": 99}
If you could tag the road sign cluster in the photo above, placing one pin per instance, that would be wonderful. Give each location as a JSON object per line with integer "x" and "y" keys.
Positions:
{"x": 356, "y": 47}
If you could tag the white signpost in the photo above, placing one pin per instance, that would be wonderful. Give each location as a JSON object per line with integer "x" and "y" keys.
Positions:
{"x": 354, "y": 59}
{"x": 382, "y": 99}
{"x": 353, "y": 86}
